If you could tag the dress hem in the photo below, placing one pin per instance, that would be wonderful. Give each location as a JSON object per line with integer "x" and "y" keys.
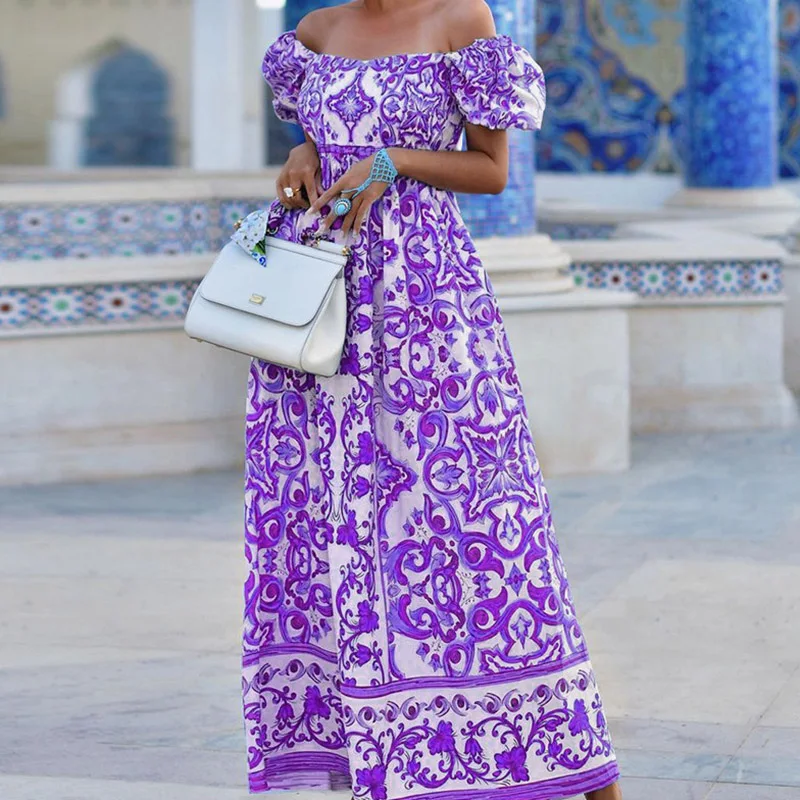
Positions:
{"x": 560, "y": 788}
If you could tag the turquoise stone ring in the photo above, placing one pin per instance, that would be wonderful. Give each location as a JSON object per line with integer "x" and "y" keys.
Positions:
{"x": 342, "y": 207}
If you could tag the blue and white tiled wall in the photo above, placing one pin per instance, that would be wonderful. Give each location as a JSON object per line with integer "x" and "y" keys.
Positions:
{"x": 36, "y": 232}
{"x": 59, "y": 308}
{"x": 700, "y": 279}
{"x": 94, "y": 230}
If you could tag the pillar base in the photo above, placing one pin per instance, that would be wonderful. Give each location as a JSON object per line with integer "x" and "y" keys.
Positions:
{"x": 129, "y": 404}
{"x": 791, "y": 281}
{"x": 526, "y": 265}
{"x": 572, "y": 355}
{"x": 713, "y": 408}
{"x": 769, "y": 199}
{"x": 710, "y": 367}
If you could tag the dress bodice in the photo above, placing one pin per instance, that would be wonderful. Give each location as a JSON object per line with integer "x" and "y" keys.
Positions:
{"x": 418, "y": 101}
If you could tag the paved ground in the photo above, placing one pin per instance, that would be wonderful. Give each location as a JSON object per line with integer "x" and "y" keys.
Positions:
{"x": 120, "y": 607}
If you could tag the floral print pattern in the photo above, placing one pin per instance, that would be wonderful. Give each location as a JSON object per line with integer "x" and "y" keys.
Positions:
{"x": 409, "y": 630}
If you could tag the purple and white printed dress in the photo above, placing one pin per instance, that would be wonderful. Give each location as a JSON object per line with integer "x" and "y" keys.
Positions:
{"x": 409, "y": 629}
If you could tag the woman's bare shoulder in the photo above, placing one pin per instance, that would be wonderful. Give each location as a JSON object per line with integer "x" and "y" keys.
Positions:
{"x": 315, "y": 27}
{"x": 467, "y": 21}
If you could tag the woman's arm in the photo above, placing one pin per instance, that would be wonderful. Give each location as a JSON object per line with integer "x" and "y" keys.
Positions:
{"x": 481, "y": 169}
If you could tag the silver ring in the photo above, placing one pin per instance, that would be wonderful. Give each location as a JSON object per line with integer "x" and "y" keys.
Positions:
{"x": 288, "y": 192}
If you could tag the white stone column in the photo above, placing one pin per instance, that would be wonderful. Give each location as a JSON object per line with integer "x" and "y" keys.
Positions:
{"x": 227, "y": 89}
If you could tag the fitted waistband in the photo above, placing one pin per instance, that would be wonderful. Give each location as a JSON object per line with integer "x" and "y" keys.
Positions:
{"x": 350, "y": 149}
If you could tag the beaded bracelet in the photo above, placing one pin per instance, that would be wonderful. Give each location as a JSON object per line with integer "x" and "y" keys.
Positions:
{"x": 383, "y": 171}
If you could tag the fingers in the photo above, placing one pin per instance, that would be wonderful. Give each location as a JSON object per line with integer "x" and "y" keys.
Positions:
{"x": 362, "y": 214}
{"x": 347, "y": 220}
{"x": 355, "y": 219}
{"x": 280, "y": 185}
{"x": 328, "y": 222}
{"x": 295, "y": 182}
{"x": 350, "y": 217}
{"x": 290, "y": 202}
{"x": 325, "y": 198}
{"x": 311, "y": 183}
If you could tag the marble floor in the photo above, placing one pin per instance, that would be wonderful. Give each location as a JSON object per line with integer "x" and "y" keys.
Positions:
{"x": 120, "y": 608}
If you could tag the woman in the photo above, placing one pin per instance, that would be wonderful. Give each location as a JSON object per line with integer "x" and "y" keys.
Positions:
{"x": 409, "y": 630}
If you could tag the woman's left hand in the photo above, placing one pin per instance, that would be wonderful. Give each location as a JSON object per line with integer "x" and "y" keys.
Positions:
{"x": 362, "y": 204}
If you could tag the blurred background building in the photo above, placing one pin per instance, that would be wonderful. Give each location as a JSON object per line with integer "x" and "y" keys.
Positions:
{"x": 645, "y": 268}
{"x": 616, "y": 75}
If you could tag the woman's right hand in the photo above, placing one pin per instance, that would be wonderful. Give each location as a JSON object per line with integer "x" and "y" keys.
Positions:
{"x": 301, "y": 172}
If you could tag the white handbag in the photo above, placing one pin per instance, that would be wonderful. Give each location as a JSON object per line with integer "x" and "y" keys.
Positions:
{"x": 289, "y": 308}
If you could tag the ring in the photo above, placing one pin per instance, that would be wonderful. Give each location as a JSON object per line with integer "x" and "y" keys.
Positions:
{"x": 289, "y": 192}
{"x": 342, "y": 207}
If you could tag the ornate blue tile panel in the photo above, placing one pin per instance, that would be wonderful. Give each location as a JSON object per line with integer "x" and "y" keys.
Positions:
{"x": 615, "y": 74}
{"x": 617, "y": 84}
{"x": 686, "y": 279}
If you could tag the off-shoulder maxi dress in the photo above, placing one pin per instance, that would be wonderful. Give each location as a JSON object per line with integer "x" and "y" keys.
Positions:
{"x": 408, "y": 627}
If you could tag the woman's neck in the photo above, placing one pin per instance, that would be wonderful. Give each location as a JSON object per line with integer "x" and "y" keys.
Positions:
{"x": 379, "y": 6}
{"x": 388, "y": 6}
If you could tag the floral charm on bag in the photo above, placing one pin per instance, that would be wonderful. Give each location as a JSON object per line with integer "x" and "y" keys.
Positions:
{"x": 250, "y": 234}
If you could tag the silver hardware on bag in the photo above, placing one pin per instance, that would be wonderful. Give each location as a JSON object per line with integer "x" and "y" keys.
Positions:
{"x": 288, "y": 308}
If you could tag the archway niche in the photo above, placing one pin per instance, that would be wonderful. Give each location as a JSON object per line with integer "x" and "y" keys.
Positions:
{"x": 112, "y": 109}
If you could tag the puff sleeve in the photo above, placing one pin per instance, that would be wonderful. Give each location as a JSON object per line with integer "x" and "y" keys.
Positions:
{"x": 284, "y": 69}
{"x": 498, "y": 85}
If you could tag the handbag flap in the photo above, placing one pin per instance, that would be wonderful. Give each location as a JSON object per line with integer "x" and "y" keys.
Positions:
{"x": 289, "y": 288}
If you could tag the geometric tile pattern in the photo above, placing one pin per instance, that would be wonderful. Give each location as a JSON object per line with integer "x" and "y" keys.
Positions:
{"x": 35, "y": 232}
{"x": 56, "y": 308}
{"x": 684, "y": 279}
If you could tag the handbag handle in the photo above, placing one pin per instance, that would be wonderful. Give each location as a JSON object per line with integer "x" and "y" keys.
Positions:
{"x": 314, "y": 239}
{"x": 308, "y": 239}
